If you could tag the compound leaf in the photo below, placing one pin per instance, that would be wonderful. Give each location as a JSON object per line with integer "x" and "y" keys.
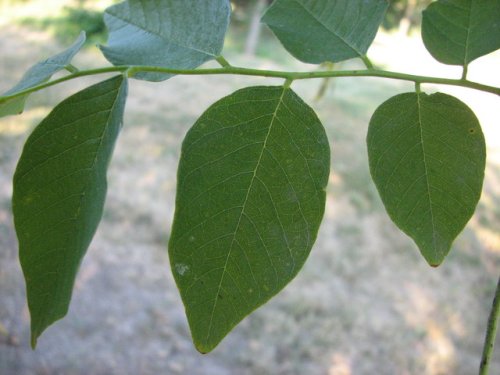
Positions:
{"x": 37, "y": 74}
{"x": 457, "y": 32}
{"x": 325, "y": 30}
{"x": 167, "y": 33}
{"x": 59, "y": 192}
{"x": 427, "y": 158}
{"x": 250, "y": 198}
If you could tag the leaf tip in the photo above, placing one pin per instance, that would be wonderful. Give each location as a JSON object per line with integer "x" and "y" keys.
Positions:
{"x": 34, "y": 340}
{"x": 434, "y": 260}
{"x": 202, "y": 348}
{"x": 434, "y": 263}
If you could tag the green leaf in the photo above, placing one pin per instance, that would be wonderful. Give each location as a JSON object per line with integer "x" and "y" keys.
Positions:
{"x": 37, "y": 74}
{"x": 457, "y": 32}
{"x": 166, "y": 33}
{"x": 14, "y": 106}
{"x": 250, "y": 198}
{"x": 59, "y": 192}
{"x": 427, "y": 157}
{"x": 325, "y": 30}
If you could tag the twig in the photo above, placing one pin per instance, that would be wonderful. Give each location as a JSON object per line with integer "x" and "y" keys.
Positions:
{"x": 491, "y": 332}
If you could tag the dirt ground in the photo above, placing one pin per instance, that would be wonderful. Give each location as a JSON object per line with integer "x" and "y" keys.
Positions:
{"x": 365, "y": 302}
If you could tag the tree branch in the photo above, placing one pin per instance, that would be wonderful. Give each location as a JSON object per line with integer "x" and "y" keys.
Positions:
{"x": 491, "y": 332}
{"x": 232, "y": 70}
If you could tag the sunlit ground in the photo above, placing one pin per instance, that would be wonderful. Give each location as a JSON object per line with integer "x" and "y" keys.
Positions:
{"x": 365, "y": 302}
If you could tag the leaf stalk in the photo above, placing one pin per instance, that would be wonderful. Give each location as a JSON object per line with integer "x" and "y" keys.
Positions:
{"x": 491, "y": 331}
{"x": 464, "y": 72}
{"x": 287, "y": 75}
{"x": 367, "y": 62}
{"x": 71, "y": 68}
{"x": 222, "y": 61}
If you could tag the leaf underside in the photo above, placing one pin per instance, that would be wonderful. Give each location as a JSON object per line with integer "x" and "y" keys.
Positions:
{"x": 59, "y": 192}
{"x": 166, "y": 33}
{"x": 457, "y": 32}
{"x": 427, "y": 158}
{"x": 325, "y": 30}
{"x": 250, "y": 199}
{"x": 37, "y": 74}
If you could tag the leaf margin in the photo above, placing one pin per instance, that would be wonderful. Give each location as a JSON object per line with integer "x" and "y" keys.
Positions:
{"x": 20, "y": 200}
{"x": 435, "y": 258}
{"x": 37, "y": 74}
{"x": 205, "y": 344}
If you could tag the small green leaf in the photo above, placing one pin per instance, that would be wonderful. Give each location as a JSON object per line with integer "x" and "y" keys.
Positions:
{"x": 325, "y": 30}
{"x": 167, "y": 33}
{"x": 59, "y": 192}
{"x": 427, "y": 158}
{"x": 250, "y": 198}
{"x": 14, "y": 106}
{"x": 37, "y": 74}
{"x": 457, "y": 32}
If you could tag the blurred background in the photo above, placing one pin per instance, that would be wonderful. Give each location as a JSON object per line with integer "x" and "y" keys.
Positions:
{"x": 365, "y": 302}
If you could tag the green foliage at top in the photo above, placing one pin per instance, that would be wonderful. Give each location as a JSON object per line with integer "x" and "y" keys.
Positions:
{"x": 250, "y": 198}
{"x": 59, "y": 193}
{"x": 404, "y": 10}
{"x": 427, "y": 157}
{"x": 167, "y": 33}
{"x": 37, "y": 74}
{"x": 325, "y": 30}
{"x": 457, "y": 32}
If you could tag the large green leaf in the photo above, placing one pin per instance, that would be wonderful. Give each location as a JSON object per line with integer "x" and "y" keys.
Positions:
{"x": 37, "y": 74}
{"x": 458, "y": 31}
{"x": 427, "y": 158}
{"x": 250, "y": 198}
{"x": 59, "y": 192}
{"x": 166, "y": 33}
{"x": 316, "y": 31}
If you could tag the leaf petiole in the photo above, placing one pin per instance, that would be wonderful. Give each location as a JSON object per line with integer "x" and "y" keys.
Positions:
{"x": 222, "y": 61}
{"x": 71, "y": 68}
{"x": 367, "y": 62}
{"x": 464, "y": 73}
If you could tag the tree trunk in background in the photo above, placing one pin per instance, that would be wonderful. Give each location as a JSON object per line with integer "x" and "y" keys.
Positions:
{"x": 254, "y": 31}
{"x": 405, "y": 23}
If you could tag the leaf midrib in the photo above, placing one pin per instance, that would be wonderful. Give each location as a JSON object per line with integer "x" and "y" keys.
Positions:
{"x": 162, "y": 37}
{"x": 273, "y": 118}
{"x": 83, "y": 195}
{"x": 426, "y": 172}
{"x": 466, "y": 51}
{"x": 334, "y": 32}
